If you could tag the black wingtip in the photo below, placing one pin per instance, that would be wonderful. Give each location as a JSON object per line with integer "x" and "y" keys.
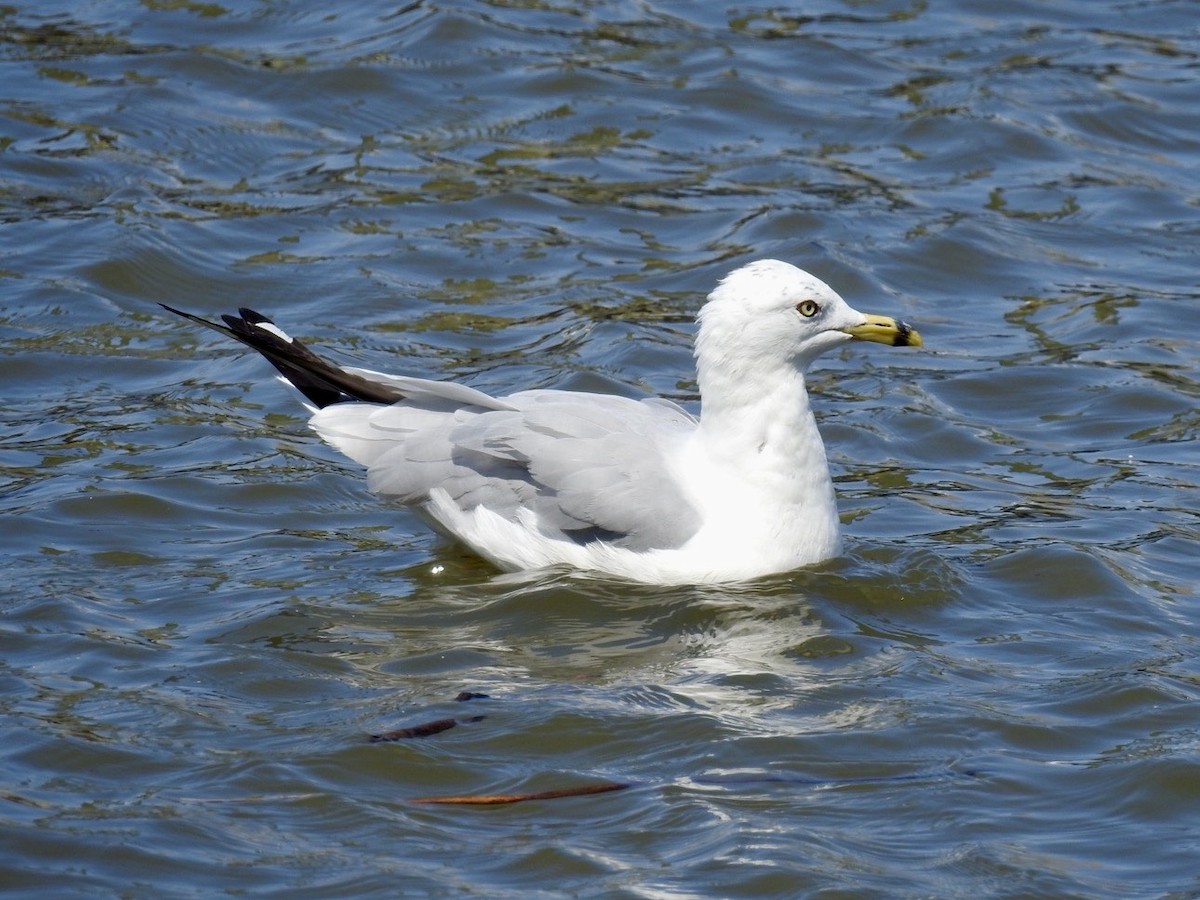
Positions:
{"x": 197, "y": 319}
{"x": 320, "y": 381}
{"x": 179, "y": 312}
{"x": 253, "y": 318}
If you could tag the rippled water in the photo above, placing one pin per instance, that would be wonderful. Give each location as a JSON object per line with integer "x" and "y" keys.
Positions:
{"x": 995, "y": 692}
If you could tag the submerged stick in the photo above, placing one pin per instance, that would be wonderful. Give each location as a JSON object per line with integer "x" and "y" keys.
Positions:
{"x": 498, "y": 799}
{"x": 425, "y": 729}
{"x": 415, "y": 731}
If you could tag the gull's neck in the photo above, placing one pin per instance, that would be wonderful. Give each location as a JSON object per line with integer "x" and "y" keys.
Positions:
{"x": 764, "y": 416}
{"x": 762, "y": 446}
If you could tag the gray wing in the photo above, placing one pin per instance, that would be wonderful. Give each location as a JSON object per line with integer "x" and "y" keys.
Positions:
{"x": 591, "y": 466}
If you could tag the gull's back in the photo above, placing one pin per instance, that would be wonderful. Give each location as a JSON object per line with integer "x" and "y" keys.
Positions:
{"x": 575, "y": 466}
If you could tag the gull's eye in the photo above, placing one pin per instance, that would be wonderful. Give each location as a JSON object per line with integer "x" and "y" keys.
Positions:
{"x": 808, "y": 308}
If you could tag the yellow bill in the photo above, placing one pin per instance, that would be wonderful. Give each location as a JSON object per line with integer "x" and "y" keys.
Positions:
{"x": 885, "y": 330}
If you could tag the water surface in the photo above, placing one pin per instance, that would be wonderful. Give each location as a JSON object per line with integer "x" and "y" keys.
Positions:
{"x": 205, "y": 615}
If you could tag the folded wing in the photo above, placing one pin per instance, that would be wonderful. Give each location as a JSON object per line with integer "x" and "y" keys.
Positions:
{"x": 588, "y": 466}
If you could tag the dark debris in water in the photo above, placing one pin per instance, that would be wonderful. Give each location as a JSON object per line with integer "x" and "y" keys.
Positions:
{"x": 464, "y": 696}
{"x": 437, "y": 726}
{"x": 427, "y": 729}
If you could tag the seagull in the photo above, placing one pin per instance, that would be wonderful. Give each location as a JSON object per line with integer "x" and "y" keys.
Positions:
{"x": 640, "y": 490}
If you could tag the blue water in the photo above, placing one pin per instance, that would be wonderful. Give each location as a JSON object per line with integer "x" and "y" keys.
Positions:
{"x": 205, "y": 615}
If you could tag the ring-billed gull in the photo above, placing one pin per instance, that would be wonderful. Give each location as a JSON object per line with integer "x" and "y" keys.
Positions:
{"x": 638, "y": 489}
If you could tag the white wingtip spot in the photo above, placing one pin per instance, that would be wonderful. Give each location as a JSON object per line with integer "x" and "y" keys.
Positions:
{"x": 274, "y": 329}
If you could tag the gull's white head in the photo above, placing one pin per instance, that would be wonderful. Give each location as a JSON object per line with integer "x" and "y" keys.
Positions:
{"x": 773, "y": 312}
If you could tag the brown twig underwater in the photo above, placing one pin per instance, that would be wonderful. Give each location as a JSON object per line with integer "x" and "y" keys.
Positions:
{"x": 498, "y": 799}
